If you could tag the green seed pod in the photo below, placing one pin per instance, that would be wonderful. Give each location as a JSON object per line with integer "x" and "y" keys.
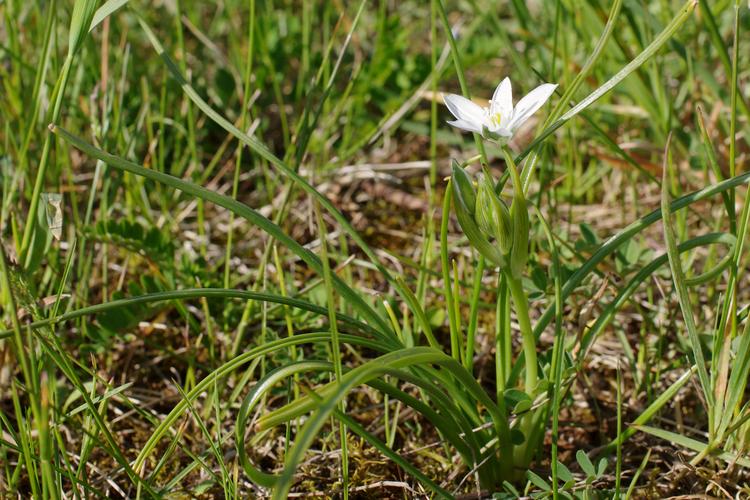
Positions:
{"x": 492, "y": 215}
{"x": 80, "y": 20}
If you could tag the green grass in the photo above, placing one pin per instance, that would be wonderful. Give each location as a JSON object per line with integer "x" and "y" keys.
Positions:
{"x": 242, "y": 253}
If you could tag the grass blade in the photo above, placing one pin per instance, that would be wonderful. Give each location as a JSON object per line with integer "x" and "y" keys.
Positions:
{"x": 236, "y": 207}
{"x": 678, "y": 277}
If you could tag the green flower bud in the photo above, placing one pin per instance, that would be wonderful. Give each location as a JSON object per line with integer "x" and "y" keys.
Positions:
{"x": 491, "y": 214}
{"x": 464, "y": 188}
{"x": 463, "y": 192}
{"x": 519, "y": 215}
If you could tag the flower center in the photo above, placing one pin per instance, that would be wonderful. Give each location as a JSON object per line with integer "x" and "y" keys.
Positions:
{"x": 496, "y": 119}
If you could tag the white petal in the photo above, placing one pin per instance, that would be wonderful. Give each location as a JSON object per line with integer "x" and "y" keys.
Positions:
{"x": 502, "y": 100}
{"x": 468, "y": 126}
{"x": 464, "y": 109}
{"x": 530, "y": 104}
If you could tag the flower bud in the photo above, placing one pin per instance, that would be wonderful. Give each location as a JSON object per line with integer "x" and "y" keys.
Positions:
{"x": 464, "y": 202}
{"x": 464, "y": 193}
{"x": 519, "y": 215}
{"x": 492, "y": 214}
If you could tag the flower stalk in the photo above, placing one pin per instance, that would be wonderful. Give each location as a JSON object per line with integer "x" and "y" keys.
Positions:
{"x": 528, "y": 340}
{"x": 501, "y": 236}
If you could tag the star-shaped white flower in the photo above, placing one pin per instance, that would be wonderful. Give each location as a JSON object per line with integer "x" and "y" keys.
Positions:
{"x": 500, "y": 119}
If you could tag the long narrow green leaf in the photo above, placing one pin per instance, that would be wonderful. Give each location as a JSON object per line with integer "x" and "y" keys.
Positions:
{"x": 626, "y": 291}
{"x": 265, "y": 384}
{"x": 228, "y": 367}
{"x": 709, "y": 20}
{"x": 678, "y": 276}
{"x": 652, "y": 409}
{"x": 459, "y": 69}
{"x": 106, "y": 10}
{"x": 357, "y": 428}
{"x": 194, "y": 293}
{"x": 613, "y": 243}
{"x": 614, "y": 14}
{"x": 685, "y": 11}
{"x": 80, "y": 20}
{"x": 334, "y": 393}
{"x": 555, "y": 371}
{"x": 738, "y": 380}
{"x": 236, "y": 207}
{"x": 260, "y": 149}
{"x": 419, "y": 313}
{"x": 692, "y": 444}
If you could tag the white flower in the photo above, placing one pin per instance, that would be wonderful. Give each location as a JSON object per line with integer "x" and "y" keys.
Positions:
{"x": 500, "y": 119}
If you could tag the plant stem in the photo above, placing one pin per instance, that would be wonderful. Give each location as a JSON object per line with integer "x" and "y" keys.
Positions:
{"x": 243, "y": 126}
{"x": 28, "y": 230}
{"x": 502, "y": 337}
{"x": 471, "y": 333}
{"x": 445, "y": 266}
{"x": 528, "y": 339}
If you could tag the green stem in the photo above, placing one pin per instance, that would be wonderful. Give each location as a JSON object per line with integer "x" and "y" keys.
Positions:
{"x": 445, "y": 267}
{"x": 502, "y": 337}
{"x": 243, "y": 125}
{"x": 528, "y": 339}
{"x": 28, "y": 230}
{"x": 471, "y": 334}
{"x": 335, "y": 344}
